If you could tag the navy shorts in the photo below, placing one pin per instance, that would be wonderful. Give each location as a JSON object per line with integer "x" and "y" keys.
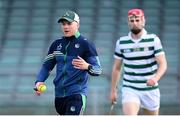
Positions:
{"x": 70, "y": 105}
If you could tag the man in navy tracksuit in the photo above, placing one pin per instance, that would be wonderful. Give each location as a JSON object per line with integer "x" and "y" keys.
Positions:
{"x": 75, "y": 57}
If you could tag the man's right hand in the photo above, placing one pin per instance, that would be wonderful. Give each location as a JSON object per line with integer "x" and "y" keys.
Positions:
{"x": 37, "y": 92}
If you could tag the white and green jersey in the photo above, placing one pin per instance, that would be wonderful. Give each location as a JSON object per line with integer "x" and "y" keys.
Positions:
{"x": 138, "y": 57}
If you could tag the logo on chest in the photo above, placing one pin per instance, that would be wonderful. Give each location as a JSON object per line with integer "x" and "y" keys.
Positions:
{"x": 59, "y": 47}
{"x": 77, "y": 45}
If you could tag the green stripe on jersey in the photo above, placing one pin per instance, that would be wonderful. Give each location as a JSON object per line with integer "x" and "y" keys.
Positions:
{"x": 142, "y": 89}
{"x": 117, "y": 54}
{"x": 140, "y": 66}
{"x": 139, "y": 58}
{"x": 135, "y": 81}
{"x": 147, "y": 40}
{"x": 157, "y": 51}
{"x": 126, "y": 42}
{"x": 140, "y": 74}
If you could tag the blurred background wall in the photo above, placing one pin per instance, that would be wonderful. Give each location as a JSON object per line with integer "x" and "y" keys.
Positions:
{"x": 27, "y": 28}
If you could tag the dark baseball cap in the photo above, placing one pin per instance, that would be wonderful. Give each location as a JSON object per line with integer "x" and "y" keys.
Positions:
{"x": 69, "y": 16}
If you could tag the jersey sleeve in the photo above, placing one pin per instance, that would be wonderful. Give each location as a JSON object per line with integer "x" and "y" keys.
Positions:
{"x": 93, "y": 60}
{"x": 48, "y": 64}
{"x": 117, "y": 53}
{"x": 158, "y": 49}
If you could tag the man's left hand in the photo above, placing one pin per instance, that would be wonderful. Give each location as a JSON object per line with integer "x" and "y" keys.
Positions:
{"x": 80, "y": 63}
{"x": 151, "y": 82}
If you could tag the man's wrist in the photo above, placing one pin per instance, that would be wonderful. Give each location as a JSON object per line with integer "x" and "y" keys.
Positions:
{"x": 89, "y": 67}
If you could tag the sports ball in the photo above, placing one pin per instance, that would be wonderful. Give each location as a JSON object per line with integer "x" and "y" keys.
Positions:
{"x": 42, "y": 88}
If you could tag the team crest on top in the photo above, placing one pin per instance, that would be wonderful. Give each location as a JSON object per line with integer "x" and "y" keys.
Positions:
{"x": 59, "y": 47}
{"x": 77, "y": 45}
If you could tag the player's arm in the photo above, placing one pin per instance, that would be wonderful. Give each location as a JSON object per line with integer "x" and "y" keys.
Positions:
{"x": 160, "y": 58}
{"x": 161, "y": 61}
{"x": 115, "y": 76}
{"x": 116, "y": 70}
{"x": 43, "y": 74}
{"x": 48, "y": 65}
{"x": 118, "y": 57}
{"x": 162, "y": 67}
{"x": 46, "y": 68}
{"x": 94, "y": 67}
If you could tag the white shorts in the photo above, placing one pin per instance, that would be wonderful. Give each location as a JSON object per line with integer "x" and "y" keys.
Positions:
{"x": 149, "y": 100}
